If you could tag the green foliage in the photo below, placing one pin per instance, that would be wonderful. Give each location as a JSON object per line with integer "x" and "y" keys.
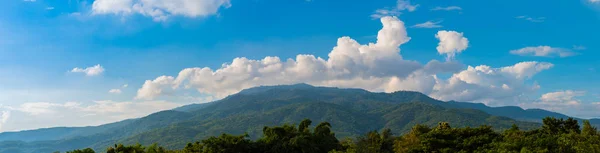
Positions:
{"x": 556, "y": 135}
{"x": 353, "y": 112}
{"x": 87, "y": 150}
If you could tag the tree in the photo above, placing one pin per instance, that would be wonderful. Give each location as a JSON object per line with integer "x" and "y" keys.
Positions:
{"x": 87, "y": 150}
{"x": 588, "y": 130}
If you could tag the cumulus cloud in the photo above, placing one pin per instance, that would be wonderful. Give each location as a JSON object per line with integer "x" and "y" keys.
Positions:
{"x": 489, "y": 85}
{"x": 451, "y": 43}
{"x": 376, "y": 66}
{"x": 160, "y": 10}
{"x": 401, "y": 5}
{"x": 448, "y": 8}
{"x": 89, "y": 71}
{"x": 564, "y": 100}
{"x": 594, "y": 1}
{"x": 45, "y": 114}
{"x": 543, "y": 51}
{"x": 349, "y": 64}
{"x": 428, "y": 24}
{"x": 566, "y": 97}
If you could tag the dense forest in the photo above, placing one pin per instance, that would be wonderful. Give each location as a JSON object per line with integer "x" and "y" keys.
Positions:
{"x": 555, "y": 135}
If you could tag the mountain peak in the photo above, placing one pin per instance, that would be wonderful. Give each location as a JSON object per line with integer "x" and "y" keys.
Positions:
{"x": 259, "y": 89}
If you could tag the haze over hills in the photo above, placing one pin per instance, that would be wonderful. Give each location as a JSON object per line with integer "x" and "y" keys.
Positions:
{"x": 353, "y": 111}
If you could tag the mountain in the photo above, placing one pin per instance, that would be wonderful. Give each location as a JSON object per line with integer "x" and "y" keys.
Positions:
{"x": 353, "y": 111}
{"x": 59, "y": 133}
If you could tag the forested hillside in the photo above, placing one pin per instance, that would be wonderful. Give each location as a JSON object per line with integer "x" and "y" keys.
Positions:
{"x": 556, "y": 135}
{"x": 353, "y": 111}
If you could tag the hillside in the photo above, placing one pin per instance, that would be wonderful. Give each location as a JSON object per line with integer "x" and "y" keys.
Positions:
{"x": 353, "y": 111}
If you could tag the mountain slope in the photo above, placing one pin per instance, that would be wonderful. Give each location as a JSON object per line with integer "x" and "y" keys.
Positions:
{"x": 124, "y": 130}
{"x": 59, "y": 133}
{"x": 353, "y": 111}
{"x": 350, "y": 122}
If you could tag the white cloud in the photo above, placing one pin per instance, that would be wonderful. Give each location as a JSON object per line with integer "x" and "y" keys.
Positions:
{"x": 29, "y": 0}
{"x": 125, "y": 86}
{"x": 405, "y": 5}
{"x": 562, "y": 101}
{"x": 375, "y": 67}
{"x": 4, "y": 115}
{"x": 45, "y": 114}
{"x": 379, "y": 13}
{"x": 566, "y": 97}
{"x": 350, "y": 64}
{"x": 159, "y": 86}
{"x": 89, "y": 71}
{"x": 401, "y": 5}
{"x": 428, "y": 24}
{"x": 543, "y": 51}
{"x": 114, "y": 91}
{"x": 531, "y": 19}
{"x": 49, "y": 8}
{"x": 489, "y": 85}
{"x": 451, "y": 43}
{"x": 160, "y": 10}
{"x": 448, "y": 8}
{"x": 594, "y": 1}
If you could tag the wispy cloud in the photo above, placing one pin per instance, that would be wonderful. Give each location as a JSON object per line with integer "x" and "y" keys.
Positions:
{"x": 115, "y": 91}
{"x": 379, "y": 13}
{"x": 50, "y": 8}
{"x": 543, "y": 51}
{"x": 531, "y": 19}
{"x": 401, "y": 5}
{"x": 428, "y": 24}
{"x": 579, "y": 47}
{"x": 448, "y": 8}
{"x": 405, "y": 5}
{"x": 162, "y": 10}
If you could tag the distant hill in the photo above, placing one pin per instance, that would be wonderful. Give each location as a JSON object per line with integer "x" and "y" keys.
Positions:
{"x": 59, "y": 133}
{"x": 353, "y": 111}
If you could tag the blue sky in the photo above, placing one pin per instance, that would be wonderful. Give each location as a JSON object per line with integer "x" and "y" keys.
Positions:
{"x": 43, "y": 41}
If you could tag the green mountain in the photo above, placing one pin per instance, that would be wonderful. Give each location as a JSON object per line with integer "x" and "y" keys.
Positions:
{"x": 353, "y": 111}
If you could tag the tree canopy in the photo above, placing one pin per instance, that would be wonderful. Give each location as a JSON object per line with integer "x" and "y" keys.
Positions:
{"x": 555, "y": 135}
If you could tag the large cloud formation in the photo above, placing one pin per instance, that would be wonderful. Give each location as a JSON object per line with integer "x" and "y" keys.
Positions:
{"x": 160, "y": 10}
{"x": 490, "y": 85}
{"x": 375, "y": 66}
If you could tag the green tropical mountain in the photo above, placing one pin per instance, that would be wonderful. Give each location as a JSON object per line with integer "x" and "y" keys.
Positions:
{"x": 353, "y": 111}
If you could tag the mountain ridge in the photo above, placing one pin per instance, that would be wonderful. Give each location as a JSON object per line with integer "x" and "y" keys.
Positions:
{"x": 357, "y": 110}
